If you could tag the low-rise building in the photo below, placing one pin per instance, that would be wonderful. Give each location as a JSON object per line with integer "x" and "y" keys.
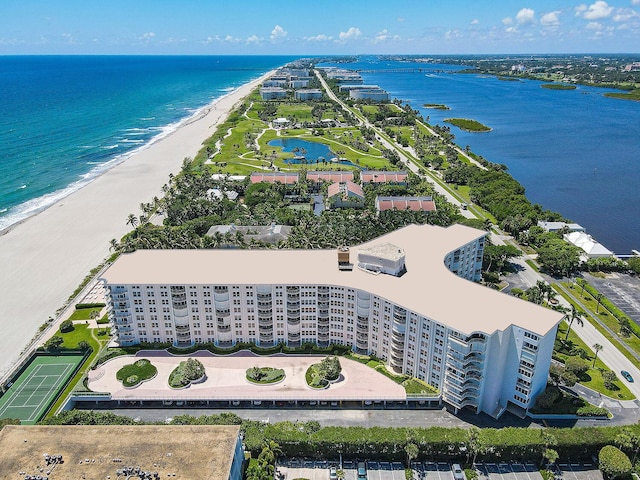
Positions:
{"x": 317, "y": 178}
{"x": 373, "y": 94}
{"x": 286, "y": 178}
{"x": 558, "y": 226}
{"x": 408, "y": 297}
{"x": 417, "y": 204}
{"x": 236, "y": 235}
{"x": 589, "y": 246}
{"x": 308, "y": 94}
{"x": 272, "y": 93}
{"x": 345, "y": 195}
{"x": 391, "y": 177}
{"x": 299, "y": 82}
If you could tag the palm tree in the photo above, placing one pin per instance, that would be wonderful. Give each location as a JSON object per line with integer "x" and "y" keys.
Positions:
{"x": 411, "y": 449}
{"x": 569, "y": 318}
{"x": 113, "y": 245}
{"x": 599, "y": 298}
{"x": 596, "y": 348}
{"x": 132, "y": 220}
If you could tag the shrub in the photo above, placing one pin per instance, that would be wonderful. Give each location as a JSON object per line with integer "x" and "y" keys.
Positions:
{"x": 186, "y": 372}
{"x": 66, "y": 326}
{"x": 614, "y": 463}
{"x": 135, "y": 373}
{"x": 264, "y": 375}
{"x": 313, "y": 378}
{"x": 547, "y": 398}
{"x": 330, "y": 368}
{"x": 54, "y": 343}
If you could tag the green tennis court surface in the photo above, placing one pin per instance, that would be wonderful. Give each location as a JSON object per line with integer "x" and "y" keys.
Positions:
{"x": 34, "y": 391}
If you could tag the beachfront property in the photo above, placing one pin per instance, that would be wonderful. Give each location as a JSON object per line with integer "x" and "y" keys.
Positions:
{"x": 272, "y": 93}
{"x": 394, "y": 177}
{"x": 57, "y": 452}
{"x": 558, "y": 226}
{"x": 348, "y": 88}
{"x": 269, "y": 235}
{"x": 276, "y": 81}
{"x": 286, "y": 178}
{"x": 589, "y": 246}
{"x": 408, "y": 297}
{"x": 417, "y": 204}
{"x": 373, "y": 94}
{"x": 295, "y": 82}
{"x": 345, "y": 195}
{"x": 308, "y": 94}
{"x": 342, "y": 76}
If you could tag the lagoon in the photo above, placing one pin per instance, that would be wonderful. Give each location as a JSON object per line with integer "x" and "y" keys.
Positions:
{"x": 576, "y": 152}
{"x": 312, "y": 151}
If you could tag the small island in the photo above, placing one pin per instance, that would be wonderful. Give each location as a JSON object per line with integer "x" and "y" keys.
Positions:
{"x": 632, "y": 95}
{"x": 468, "y": 125}
{"x": 187, "y": 372}
{"x": 558, "y": 86}
{"x": 436, "y": 106}
{"x": 135, "y": 373}
{"x": 265, "y": 375}
{"x": 507, "y": 79}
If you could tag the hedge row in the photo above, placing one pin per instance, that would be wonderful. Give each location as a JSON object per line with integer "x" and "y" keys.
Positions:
{"x": 81, "y": 306}
{"x": 434, "y": 443}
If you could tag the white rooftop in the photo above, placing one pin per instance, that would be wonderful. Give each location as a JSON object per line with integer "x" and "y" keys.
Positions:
{"x": 588, "y": 244}
{"x": 427, "y": 287}
{"x": 555, "y": 226}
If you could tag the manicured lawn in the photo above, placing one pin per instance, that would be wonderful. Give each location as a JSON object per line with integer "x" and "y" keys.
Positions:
{"x": 84, "y": 313}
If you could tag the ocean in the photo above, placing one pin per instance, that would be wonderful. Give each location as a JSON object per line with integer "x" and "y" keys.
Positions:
{"x": 576, "y": 152}
{"x": 64, "y": 120}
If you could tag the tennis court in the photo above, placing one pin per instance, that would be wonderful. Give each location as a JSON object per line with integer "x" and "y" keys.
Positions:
{"x": 37, "y": 387}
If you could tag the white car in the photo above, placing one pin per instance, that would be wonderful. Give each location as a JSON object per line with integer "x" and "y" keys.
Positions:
{"x": 458, "y": 473}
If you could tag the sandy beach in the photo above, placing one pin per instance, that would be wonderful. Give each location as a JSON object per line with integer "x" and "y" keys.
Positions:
{"x": 46, "y": 257}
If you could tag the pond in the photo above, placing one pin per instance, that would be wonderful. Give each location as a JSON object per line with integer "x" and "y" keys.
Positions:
{"x": 311, "y": 153}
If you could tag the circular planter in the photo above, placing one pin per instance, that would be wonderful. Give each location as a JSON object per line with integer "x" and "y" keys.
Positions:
{"x": 192, "y": 382}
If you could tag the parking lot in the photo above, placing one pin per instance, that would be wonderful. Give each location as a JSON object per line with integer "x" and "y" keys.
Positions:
{"x": 622, "y": 290}
{"x": 319, "y": 470}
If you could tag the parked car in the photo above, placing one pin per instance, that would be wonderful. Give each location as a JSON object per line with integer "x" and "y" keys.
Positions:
{"x": 362, "y": 471}
{"x": 627, "y": 376}
{"x": 458, "y": 473}
{"x": 333, "y": 473}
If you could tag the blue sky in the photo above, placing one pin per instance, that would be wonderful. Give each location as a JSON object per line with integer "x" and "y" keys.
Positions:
{"x": 320, "y": 27}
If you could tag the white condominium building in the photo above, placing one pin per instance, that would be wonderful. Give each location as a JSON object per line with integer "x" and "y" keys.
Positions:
{"x": 408, "y": 297}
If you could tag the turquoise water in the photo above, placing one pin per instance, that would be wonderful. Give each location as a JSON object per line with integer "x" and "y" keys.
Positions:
{"x": 312, "y": 151}
{"x": 576, "y": 152}
{"x": 65, "y": 120}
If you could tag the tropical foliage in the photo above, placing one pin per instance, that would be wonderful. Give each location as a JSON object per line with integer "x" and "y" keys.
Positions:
{"x": 186, "y": 372}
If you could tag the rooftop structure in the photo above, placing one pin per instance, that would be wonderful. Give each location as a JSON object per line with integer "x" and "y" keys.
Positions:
{"x": 347, "y": 88}
{"x": 591, "y": 248}
{"x": 345, "y": 195}
{"x": 417, "y": 204}
{"x": 372, "y": 176}
{"x": 330, "y": 176}
{"x": 287, "y": 178}
{"x": 92, "y": 452}
{"x": 557, "y": 226}
{"x": 216, "y": 193}
{"x": 409, "y": 302}
{"x": 225, "y": 176}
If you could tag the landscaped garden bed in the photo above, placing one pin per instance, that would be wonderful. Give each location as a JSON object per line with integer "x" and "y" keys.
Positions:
{"x": 265, "y": 375}
{"x": 187, "y": 372}
{"x": 319, "y": 375}
{"x": 134, "y": 374}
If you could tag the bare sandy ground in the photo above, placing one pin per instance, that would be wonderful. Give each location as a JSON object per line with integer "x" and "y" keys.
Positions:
{"x": 226, "y": 379}
{"x": 44, "y": 258}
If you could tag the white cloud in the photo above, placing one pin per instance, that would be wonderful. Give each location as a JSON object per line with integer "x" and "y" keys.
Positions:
{"x": 353, "y": 32}
{"x": 254, "y": 39}
{"x": 231, "y": 39}
{"x": 147, "y": 36}
{"x": 452, "y": 35}
{"x": 525, "y": 15}
{"x": 68, "y": 38}
{"x": 594, "y": 26}
{"x": 278, "y": 33}
{"x": 635, "y": 2}
{"x": 319, "y": 38}
{"x": 507, "y": 21}
{"x": 595, "y": 11}
{"x": 475, "y": 21}
{"x": 551, "y": 18}
{"x": 384, "y": 35}
{"x": 624, "y": 14}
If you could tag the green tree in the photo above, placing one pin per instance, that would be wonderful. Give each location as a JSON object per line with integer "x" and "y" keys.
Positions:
{"x": 634, "y": 264}
{"x": 596, "y": 348}
{"x": 411, "y": 449}
{"x": 83, "y": 345}
{"x": 66, "y": 326}
{"x": 550, "y": 455}
{"x": 574, "y": 316}
{"x": 54, "y": 343}
{"x": 599, "y": 297}
{"x": 614, "y": 463}
{"x": 609, "y": 378}
{"x": 132, "y": 220}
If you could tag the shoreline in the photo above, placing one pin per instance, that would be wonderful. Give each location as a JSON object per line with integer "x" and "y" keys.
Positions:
{"x": 45, "y": 256}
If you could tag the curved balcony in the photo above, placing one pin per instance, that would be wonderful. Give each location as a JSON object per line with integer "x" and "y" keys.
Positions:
{"x": 395, "y": 363}
{"x": 362, "y": 344}
{"x": 322, "y": 304}
{"x": 223, "y": 313}
{"x": 265, "y": 322}
{"x": 267, "y": 312}
{"x": 323, "y": 297}
{"x": 220, "y": 289}
{"x": 225, "y": 337}
{"x": 263, "y": 290}
{"x": 362, "y": 330}
{"x": 293, "y": 337}
{"x": 224, "y": 328}
{"x": 323, "y": 289}
{"x": 293, "y": 313}
{"x": 323, "y": 313}
{"x": 225, "y": 343}
{"x": 324, "y": 322}
{"x": 221, "y": 297}
{"x": 397, "y": 337}
{"x": 293, "y": 289}
{"x": 397, "y": 349}
{"x": 361, "y": 337}
{"x": 293, "y": 322}
{"x": 266, "y": 330}
{"x": 323, "y": 330}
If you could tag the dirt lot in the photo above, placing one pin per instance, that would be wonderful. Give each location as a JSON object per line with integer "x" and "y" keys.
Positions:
{"x": 100, "y": 452}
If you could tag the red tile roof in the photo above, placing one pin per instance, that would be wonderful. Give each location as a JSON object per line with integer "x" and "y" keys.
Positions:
{"x": 382, "y": 177}
{"x": 330, "y": 176}
{"x": 345, "y": 187}
{"x": 423, "y": 204}
{"x": 275, "y": 177}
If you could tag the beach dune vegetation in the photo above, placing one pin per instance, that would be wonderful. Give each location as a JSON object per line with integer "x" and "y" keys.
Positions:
{"x": 468, "y": 124}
